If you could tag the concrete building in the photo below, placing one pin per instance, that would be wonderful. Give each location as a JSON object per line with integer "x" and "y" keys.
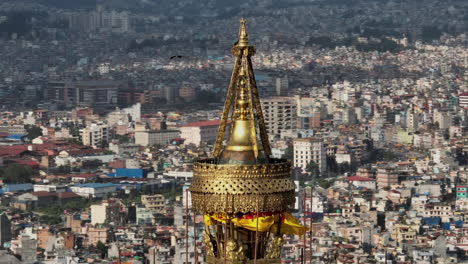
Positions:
{"x": 124, "y": 148}
{"x": 25, "y": 247}
{"x": 349, "y": 116}
{"x": 282, "y": 86}
{"x": 99, "y": 93}
{"x": 108, "y": 211}
{"x": 463, "y": 100}
{"x": 443, "y": 119}
{"x": 93, "y": 190}
{"x": 402, "y": 233}
{"x": 412, "y": 121}
{"x": 154, "y": 203}
{"x": 144, "y": 216}
{"x": 187, "y": 92}
{"x": 155, "y": 137}
{"x": 386, "y": 177}
{"x": 307, "y": 150}
{"x": 361, "y": 182}
{"x": 99, "y": 19}
{"x": 280, "y": 114}
{"x": 97, "y": 234}
{"x": 95, "y": 134}
{"x": 198, "y": 132}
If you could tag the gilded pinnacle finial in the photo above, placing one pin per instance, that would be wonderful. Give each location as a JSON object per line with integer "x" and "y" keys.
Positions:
{"x": 243, "y": 36}
{"x": 242, "y": 104}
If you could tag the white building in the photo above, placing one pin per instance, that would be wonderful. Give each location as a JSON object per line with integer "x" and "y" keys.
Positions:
{"x": 307, "y": 150}
{"x": 123, "y": 148}
{"x": 412, "y": 121}
{"x": 198, "y": 132}
{"x": 158, "y": 137}
{"x": 362, "y": 182}
{"x": 444, "y": 119}
{"x": 144, "y": 216}
{"x": 178, "y": 174}
{"x": 49, "y": 188}
{"x": 95, "y": 134}
{"x": 108, "y": 210}
{"x": 463, "y": 100}
{"x": 93, "y": 190}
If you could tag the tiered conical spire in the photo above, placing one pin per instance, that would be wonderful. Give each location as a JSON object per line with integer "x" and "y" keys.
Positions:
{"x": 244, "y": 194}
{"x": 242, "y": 108}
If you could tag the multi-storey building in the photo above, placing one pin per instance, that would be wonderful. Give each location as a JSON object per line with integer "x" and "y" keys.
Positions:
{"x": 307, "y": 150}
{"x": 462, "y": 191}
{"x": 100, "y": 93}
{"x": 99, "y": 19}
{"x": 412, "y": 121}
{"x": 95, "y": 134}
{"x": 280, "y": 114}
{"x": 155, "y": 137}
{"x": 187, "y": 92}
{"x": 402, "y": 233}
{"x": 154, "y": 203}
{"x": 198, "y": 132}
{"x": 107, "y": 211}
{"x": 444, "y": 211}
{"x": 282, "y": 86}
{"x": 463, "y": 100}
{"x": 97, "y": 234}
{"x": 443, "y": 119}
{"x": 386, "y": 177}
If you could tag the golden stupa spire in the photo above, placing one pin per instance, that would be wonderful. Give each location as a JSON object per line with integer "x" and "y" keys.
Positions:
{"x": 243, "y": 36}
{"x": 242, "y": 181}
{"x": 243, "y": 109}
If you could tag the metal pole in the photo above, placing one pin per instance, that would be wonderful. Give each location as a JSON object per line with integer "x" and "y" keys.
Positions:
{"x": 302, "y": 255}
{"x": 225, "y": 234}
{"x": 118, "y": 253}
{"x": 154, "y": 255}
{"x": 186, "y": 226}
{"x": 305, "y": 225}
{"x": 256, "y": 235}
{"x": 311, "y": 225}
{"x": 195, "y": 237}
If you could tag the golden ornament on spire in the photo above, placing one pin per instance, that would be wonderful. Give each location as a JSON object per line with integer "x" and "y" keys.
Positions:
{"x": 243, "y": 37}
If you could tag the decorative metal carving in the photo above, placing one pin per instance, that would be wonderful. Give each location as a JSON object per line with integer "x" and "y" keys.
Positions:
{"x": 274, "y": 248}
{"x": 235, "y": 188}
{"x": 208, "y": 245}
{"x": 234, "y": 250}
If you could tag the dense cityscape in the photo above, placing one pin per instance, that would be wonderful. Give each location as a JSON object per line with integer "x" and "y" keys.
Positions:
{"x": 107, "y": 104}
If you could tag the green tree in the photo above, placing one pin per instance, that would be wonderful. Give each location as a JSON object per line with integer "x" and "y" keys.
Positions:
{"x": 33, "y": 132}
{"x": 16, "y": 173}
{"x": 101, "y": 248}
{"x": 51, "y": 219}
{"x": 206, "y": 97}
{"x": 313, "y": 169}
{"x": 325, "y": 184}
{"x": 289, "y": 153}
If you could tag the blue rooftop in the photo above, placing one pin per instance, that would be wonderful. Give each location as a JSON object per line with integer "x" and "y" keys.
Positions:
{"x": 16, "y": 136}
